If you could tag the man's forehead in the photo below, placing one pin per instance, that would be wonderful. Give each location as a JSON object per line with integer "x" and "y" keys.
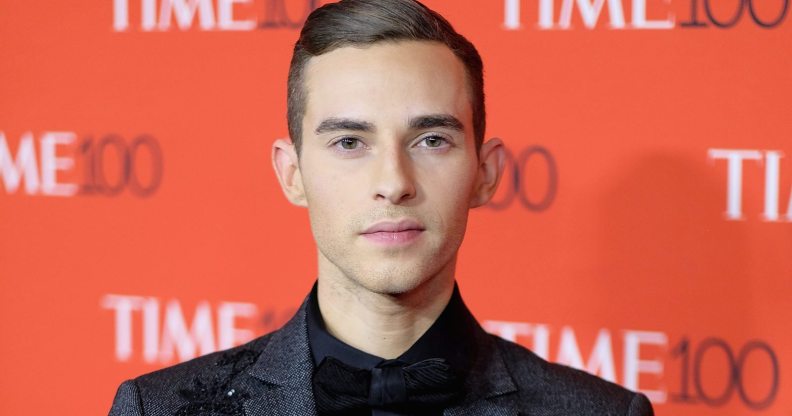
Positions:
{"x": 407, "y": 79}
{"x": 386, "y": 58}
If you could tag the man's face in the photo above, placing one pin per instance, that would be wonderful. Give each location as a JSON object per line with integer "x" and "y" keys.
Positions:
{"x": 388, "y": 162}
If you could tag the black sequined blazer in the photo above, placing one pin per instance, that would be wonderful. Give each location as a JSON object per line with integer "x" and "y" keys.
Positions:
{"x": 271, "y": 375}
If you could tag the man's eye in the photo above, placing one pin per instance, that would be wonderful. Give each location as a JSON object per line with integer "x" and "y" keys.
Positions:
{"x": 348, "y": 143}
{"x": 434, "y": 141}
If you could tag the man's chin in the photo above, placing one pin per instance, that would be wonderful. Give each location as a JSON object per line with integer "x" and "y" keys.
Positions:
{"x": 392, "y": 282}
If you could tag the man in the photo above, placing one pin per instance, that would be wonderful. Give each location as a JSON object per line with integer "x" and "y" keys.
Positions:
{"x": 386, "y": 117}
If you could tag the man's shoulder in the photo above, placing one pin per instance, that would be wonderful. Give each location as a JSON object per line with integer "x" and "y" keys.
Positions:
{"x": 215, "y": 379}
{"x": 527, "y": 368}
{"x": 223, "y": 362}
{"x": 557, "y": 386}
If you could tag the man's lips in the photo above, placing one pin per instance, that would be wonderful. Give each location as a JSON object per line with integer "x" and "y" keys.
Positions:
{"x": 394, "y": 227}
{"x": 393, "y": 232}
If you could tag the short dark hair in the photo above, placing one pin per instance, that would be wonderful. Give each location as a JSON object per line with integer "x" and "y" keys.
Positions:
{"x": 364, "y": 22}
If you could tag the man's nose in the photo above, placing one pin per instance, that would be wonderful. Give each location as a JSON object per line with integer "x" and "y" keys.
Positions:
{"x": 394, "y": 178}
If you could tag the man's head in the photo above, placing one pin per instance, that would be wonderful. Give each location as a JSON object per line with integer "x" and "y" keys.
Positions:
{"x": 390, "y": 158}
{"x": 362, "y": 23}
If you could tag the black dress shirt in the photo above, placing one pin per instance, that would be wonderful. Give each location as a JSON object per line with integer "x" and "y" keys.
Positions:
{"x": 450, "y": 337}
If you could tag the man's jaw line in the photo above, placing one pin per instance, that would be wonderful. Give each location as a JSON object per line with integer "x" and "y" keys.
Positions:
{"x": 332, "y": 273}
{"x": 369, "y": 315}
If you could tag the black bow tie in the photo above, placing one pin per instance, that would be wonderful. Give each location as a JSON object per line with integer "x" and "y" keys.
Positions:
{"x": 340, "y": 389}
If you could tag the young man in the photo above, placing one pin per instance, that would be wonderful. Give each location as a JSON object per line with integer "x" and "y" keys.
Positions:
{"x": 386, "y": 117}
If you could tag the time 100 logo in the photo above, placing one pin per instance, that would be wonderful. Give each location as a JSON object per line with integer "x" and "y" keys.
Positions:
{"x": 530, "y": 179}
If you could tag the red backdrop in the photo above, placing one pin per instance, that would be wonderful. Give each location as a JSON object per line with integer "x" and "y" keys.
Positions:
{"x": 643, "y": 231}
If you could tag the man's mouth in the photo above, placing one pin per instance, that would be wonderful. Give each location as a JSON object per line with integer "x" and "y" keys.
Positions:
{"x": 394, "y": 232}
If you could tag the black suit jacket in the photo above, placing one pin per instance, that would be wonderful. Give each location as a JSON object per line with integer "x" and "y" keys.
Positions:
{"x": 271, "y": 375}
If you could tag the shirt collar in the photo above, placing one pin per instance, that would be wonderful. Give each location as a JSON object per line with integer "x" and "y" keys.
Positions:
{"x": 451, "y": 336}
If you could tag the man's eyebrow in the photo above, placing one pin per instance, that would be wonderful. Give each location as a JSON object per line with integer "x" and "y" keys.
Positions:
{"x": 335, "y": 124}
{"x": 436, "y": 120}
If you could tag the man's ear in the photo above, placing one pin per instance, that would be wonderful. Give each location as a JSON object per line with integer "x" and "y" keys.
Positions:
{"x": 492, "y": 158}
{"x": 287, "y": 169}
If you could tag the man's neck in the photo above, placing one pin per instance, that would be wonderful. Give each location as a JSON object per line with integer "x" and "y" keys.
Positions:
{"x": 381, "y": 324}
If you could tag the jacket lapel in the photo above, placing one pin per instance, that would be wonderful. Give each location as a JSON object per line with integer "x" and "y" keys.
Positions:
{"x": 285, "y": 366}
{"x": 487, "y": 380}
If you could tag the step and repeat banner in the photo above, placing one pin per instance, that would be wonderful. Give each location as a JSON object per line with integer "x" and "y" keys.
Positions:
{"x": 643, "y": 230}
